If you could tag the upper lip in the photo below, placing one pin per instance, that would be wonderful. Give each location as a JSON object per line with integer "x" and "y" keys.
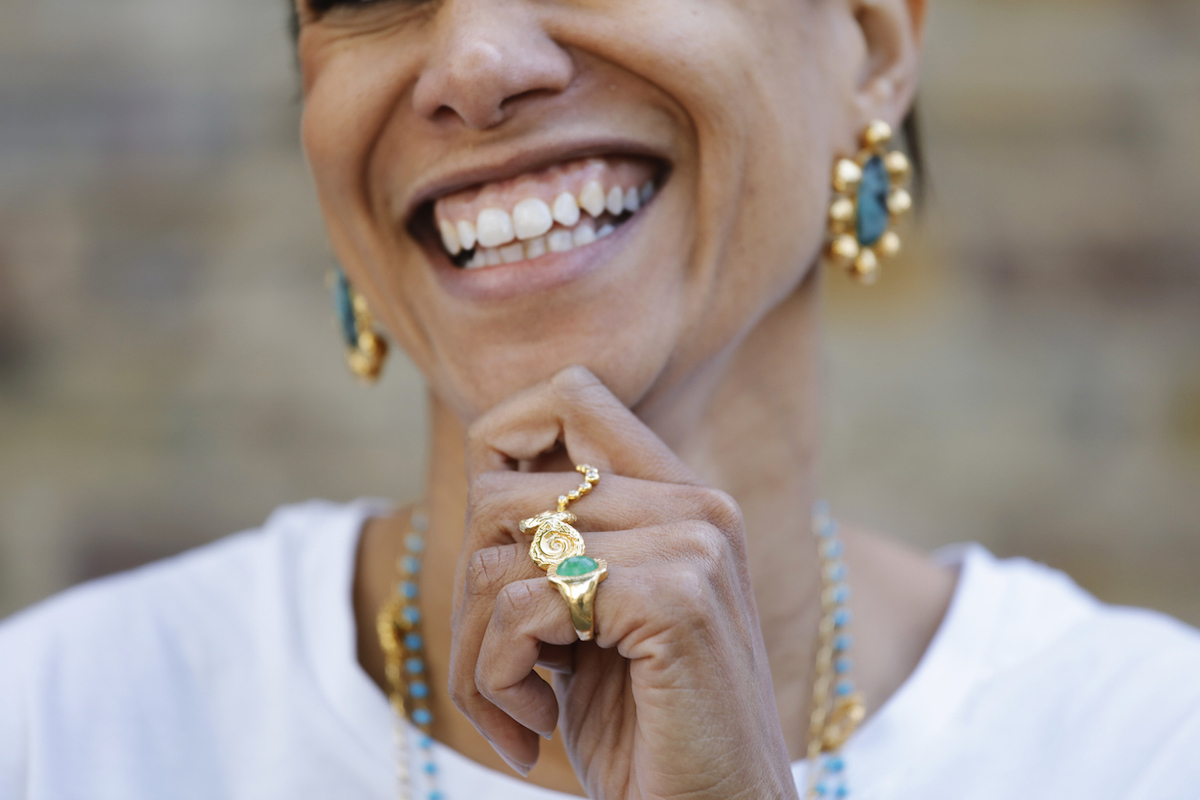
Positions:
{"x": 527, "y": 159}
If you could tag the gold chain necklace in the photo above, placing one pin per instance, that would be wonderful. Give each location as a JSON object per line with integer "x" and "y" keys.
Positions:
{"x": 837, "y": 708}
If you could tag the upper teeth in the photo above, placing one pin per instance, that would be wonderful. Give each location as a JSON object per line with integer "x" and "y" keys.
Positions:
{"x": 499, "y": 234}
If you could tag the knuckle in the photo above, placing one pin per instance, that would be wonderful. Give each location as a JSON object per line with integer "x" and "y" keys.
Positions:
{"x": 484, "y": 488}
{"x": 685, "y": 593}
{"x": 708, "y": 544}
{"x": 485, "y": 569}
{"x": 511, "y": 602}
{"x": 722, "y": 510}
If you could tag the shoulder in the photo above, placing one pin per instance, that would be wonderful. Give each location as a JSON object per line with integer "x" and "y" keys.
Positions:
{"x": 222, "y": 579}
{"x": 160, "y": 658}
{"x": 1109, "y": 694}
{"x": 1041, "y": 615}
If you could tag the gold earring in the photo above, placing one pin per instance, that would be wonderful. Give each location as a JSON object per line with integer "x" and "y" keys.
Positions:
{"x": 869, "y": 196}
{"x": 366, "y": 349}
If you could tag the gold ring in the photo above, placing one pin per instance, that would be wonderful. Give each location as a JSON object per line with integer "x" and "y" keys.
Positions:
{"x": 576, "y": 579}
{"x": 554, "y": 540}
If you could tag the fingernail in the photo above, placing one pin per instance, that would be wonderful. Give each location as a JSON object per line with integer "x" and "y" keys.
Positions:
{"x": 517, "y": 766}
{"x": 548, "y": 736}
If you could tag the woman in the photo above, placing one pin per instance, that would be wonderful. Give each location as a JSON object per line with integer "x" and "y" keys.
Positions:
{"x": 596, "y": 229}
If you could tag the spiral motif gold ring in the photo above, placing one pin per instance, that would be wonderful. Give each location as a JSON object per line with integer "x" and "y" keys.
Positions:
{"x": 554, "y": 540}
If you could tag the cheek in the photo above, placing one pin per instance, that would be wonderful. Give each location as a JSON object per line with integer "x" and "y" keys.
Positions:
{"x": 752, "y": 82}
{"x": 350, "y": 92}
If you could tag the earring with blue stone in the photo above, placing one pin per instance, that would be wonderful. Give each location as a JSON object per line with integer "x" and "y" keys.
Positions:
{"x": 366, "y": 349}
{"x": 868, "y": 197}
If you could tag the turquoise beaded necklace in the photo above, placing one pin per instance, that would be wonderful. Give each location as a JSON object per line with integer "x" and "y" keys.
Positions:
{"x": 837, "y": 706}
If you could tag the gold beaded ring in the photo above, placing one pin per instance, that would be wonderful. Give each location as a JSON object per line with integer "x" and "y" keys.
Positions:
{"x": 869, "y": 196}
{"x": 554, "y": 540}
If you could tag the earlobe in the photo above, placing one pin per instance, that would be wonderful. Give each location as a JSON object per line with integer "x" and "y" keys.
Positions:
{"x": 892, "y": 34}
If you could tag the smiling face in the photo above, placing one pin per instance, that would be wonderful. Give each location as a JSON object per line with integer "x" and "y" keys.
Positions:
{"x": 521, "y": 185}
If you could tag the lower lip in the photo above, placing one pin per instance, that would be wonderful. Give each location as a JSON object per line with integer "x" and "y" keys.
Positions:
{"x": 541, "y": 274}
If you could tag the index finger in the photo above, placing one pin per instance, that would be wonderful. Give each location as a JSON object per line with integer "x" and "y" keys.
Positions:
{"x": 579, "y": 411}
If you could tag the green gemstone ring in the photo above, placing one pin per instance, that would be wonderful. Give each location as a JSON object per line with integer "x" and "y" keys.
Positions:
{"x": 576, "y": 579}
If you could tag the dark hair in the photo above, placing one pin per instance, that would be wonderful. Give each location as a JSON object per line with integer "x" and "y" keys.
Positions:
{"x": 910, "y": 128}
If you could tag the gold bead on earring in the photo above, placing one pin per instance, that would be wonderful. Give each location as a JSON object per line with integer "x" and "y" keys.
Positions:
{"x": 869, "y": 196}
{"x": 366, "y": 349}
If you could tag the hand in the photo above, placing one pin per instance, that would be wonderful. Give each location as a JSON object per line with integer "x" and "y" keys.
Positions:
{"x": 673, "y": 698}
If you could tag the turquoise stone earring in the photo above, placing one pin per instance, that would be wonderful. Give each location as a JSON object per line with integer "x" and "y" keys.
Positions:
{"x": 366, "y": 350}
{"x": 868, "y": 197}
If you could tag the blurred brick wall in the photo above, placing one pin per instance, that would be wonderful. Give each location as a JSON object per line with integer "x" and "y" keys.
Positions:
{"x": 1028, "y": 377}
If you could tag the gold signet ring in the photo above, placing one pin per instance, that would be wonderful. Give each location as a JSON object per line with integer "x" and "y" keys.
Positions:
{"x": 576, "y": 579}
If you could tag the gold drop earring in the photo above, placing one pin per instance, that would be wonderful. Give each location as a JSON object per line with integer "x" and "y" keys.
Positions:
{"x": 868, "y": 197}
{"x": 366, "y": 349}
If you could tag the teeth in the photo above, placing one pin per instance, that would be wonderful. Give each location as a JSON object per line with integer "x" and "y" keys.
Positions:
{"x": 616, "y": 201}
{"x": 494, "y": 227}
{"x": 560, "y": 241}
{"x": 632, "y": 201}
{"x": 591, "y": 199}
{"x": 449, "y": 238}
{"x": 512, "y": 253}
{"x": 531, "y": 231}
{"x": 566, "y": 210}
{"x": 466, "y": 234}
{"x": 531, "y": 218}
{"x": 535, "y": 247}
{"x": 584, "y": 234}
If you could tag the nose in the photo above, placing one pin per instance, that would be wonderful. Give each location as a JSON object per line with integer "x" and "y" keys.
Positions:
{"x": 486, "y": 54}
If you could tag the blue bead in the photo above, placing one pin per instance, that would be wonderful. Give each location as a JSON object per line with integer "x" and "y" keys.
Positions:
{"x": 414, "y": 665}
{"x": 842, "y": 791}
{"x": 837, "y": 572}
{"x": 345, "y": 307}
{"x": 843, "y": 688}
{"x": 842, "y": 642}
{"x": 414, "y": 542}
{"x": 425, "y": 742}
{"x": 430, "y": 768}
{"x": 841, "y": 617}
{"x": 419, "y": 690}
{"x": 834, "y": 763}
{"x": 841, "y": 593}
{"x": 872, "y": 203}
{"x": 842, "y": 665}
{"x": 411, "y": 564}
{"x": 833, "y": 548}
{"x": 435, "y": 795}
{"x": 408, "y": 589}
{"x": 822, "y": 789}
{"x": 412, "y": 615}
{"x": 422, "y": 716}
{"x": 413, "y": 641}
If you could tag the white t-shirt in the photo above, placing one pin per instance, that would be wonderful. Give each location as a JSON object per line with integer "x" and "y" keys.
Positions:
{"x": 230, "y": 672}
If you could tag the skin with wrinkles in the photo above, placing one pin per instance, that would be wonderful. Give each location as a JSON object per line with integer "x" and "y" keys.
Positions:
{"x": 680, "y": 355}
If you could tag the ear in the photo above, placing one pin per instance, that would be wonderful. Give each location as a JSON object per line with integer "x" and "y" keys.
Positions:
{"x": 892, "y": 32}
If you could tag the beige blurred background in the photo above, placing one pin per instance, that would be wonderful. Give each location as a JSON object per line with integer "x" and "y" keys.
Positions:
{"x": 1029, "y": 377}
